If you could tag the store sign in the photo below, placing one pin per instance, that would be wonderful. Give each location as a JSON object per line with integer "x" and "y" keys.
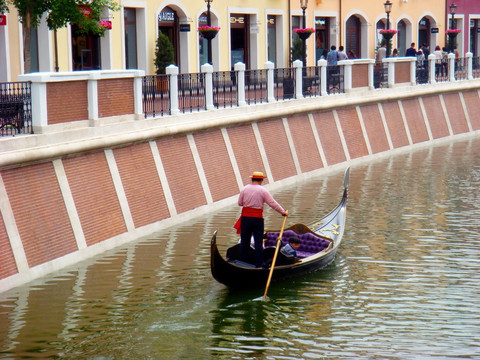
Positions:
{"x": 271, "y": 20}
{"x": 166, "y": 16}
{"x": 184, "y": 27}
{"x": 3, "y": 20}
{"x": 237, "y": 20}
{"x": 434, "y": 31}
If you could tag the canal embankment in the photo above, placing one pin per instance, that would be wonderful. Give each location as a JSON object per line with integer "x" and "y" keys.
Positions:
{"x": 77, "y": 190}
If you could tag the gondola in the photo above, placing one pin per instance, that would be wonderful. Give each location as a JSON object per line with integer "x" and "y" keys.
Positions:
{"x": 319, "y": 243}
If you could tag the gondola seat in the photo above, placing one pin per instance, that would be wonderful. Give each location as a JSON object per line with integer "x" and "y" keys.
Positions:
{"x": 310, "y": 242}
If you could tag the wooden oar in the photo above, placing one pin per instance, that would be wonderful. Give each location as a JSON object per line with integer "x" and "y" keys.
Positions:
{"x": 279, "y": 242}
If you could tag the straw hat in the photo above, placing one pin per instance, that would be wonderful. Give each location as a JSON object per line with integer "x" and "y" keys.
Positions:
{"x": 257, "y": 175}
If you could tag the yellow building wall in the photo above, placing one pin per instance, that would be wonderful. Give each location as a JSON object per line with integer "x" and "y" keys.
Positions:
{"x": 369, "y": 11}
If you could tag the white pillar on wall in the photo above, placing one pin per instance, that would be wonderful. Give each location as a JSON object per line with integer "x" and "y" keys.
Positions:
{"x": 270, "y": 85}
{"x": 431, "y": 69}
{"x": 240, "y": 68}
{"x": 298, "y": 66}
{"x": 208, "y": 70}
{"x": 323, "y": 76}
{"x": 451, "y": 67}
{"x": 172, "y": 70}
{"x": 469, "y": 57}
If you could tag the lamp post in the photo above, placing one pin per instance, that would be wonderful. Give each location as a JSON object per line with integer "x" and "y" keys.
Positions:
{"x": 451, "y": 38}
{"x": 209, "y": 40}
{"x": 303, "y": 5}
{"x": 388, "y": 9}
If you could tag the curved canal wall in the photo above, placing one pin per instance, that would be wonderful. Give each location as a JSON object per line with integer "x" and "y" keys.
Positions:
{"x": 69, "y": 194}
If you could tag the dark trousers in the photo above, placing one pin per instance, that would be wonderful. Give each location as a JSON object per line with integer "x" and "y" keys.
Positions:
{"x": 252, "y": 226}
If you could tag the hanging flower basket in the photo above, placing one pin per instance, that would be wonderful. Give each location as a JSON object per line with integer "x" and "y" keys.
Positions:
{"x": 208, "y": 32}
{"x": 453, "y": 32}
{"x": 106, "y": 24}
{"x": 388, "y": 34}
{"x": 304, "y": 34}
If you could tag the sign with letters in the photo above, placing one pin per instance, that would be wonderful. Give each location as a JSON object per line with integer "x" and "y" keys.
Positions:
{"x": 434, "y": 31}
{"x": 3, "y": 20}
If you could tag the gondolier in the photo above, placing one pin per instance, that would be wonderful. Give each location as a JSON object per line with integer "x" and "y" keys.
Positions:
{"x": 252, "y": 197}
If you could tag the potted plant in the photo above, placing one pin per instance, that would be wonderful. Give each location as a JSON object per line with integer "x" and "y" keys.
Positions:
{"x": 164, "y": 56}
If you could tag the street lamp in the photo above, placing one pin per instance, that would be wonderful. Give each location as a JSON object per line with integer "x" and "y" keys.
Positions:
{"x": 453, "y": 10}
{"x": 209, "y": 40}
{"x": 451, "y": 38}
{"x": 303, "y": 5}
{"x": 388, "y": 9}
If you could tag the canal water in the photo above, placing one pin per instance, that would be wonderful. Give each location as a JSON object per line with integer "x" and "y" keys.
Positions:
{"x": 404, "y": 285}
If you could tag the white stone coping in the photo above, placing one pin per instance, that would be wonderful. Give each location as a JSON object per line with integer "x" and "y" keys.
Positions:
{"x": 46, "y": 77}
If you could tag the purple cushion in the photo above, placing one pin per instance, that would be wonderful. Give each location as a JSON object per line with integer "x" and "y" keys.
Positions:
{"x": 310, "y": 243}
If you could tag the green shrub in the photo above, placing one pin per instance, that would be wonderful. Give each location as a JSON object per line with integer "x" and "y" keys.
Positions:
{"x": 164, "y": 55}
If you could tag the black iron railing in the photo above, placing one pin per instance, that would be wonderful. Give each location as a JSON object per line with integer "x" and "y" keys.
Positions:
{"x": 284, "y": 83}
{"x": 441, "y": 70}
{"x": 191, "y": 92}
{"x": 461, "y": 72}
{"x": 311, "y": 81}
{"x": 225, "y": 89}
{"x": 156, "y": 95}
{"x": 422, "y": 71}
{"x": 335, "y": 79}
{"x": 476, "y": 67}
{"x": 15, "y": 108}
{"x": 255, "y": 86}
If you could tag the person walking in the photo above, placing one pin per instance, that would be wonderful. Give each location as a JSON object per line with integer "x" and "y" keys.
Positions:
{"x": 411, "y": 50}
{"x": 381, "y": 54}
{"x": 252, "y": 198}
{"x": 341, "y": 53}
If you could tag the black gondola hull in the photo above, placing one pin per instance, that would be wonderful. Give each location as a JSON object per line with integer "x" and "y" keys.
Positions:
{"x": 235, "y": 276}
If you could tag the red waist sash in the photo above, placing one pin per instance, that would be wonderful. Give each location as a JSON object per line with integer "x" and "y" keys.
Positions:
{"x": 248, "y": 212}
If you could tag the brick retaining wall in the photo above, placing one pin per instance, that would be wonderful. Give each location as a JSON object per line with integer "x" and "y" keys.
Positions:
{"x": 55, "y": 210}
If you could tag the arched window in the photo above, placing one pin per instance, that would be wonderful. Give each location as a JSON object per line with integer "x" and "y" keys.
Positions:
{"x": 402, "y": 37}
{"x": 424, "y": 32}
{"x": 353, "y": 35}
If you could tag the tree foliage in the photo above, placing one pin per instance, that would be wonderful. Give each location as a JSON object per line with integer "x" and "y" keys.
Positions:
{"x": 59, "y": 13}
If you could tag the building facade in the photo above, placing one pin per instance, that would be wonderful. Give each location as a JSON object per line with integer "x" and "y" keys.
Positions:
{"x": 250, "y": 32}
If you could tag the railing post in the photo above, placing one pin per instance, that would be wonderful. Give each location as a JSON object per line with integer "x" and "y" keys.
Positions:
{"x": 92, "y": 94}
{"x": 347, "y": 73}
{"x": 208, "y": 70}
{"x": 413, "y": 72}
{"x": 431, "y": 69}
{"x": 39, "y": 102}
{"x": 138, "y": 92}
{"x": 391, "y": 72}
{"x": 469, "y": 57}
{"x": 298, "y": 65}
{"x": 371, "y": 75}
{"x": 451, "y": 67}
{"x": 270, "y": 85}
{"x": 323, "y": 76}
{"x": 240, "y": 68}
{"x": 172, "y": 70}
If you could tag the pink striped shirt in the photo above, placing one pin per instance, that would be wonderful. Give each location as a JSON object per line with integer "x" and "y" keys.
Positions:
{"x": 254, "y": 196}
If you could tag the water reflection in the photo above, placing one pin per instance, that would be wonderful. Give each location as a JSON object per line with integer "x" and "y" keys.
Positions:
{"x": 404, "y": 284}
